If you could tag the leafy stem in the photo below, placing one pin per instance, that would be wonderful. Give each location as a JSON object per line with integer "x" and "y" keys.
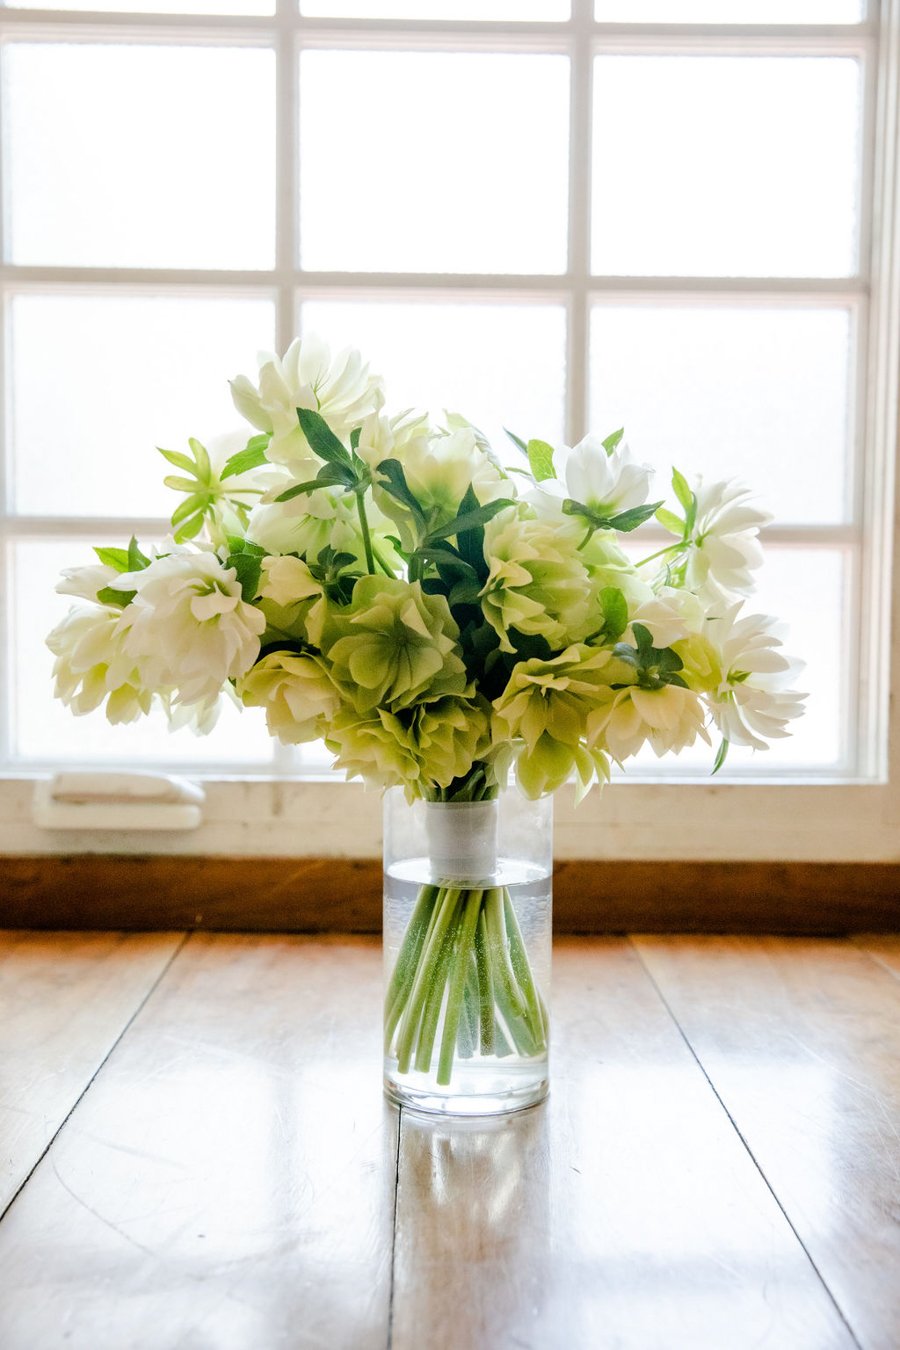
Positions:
{"x": 364, "y": 530}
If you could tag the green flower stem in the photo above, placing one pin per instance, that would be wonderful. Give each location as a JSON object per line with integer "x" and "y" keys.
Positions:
{"x": 434, "y": 998}
{"x": 457, "y": 986}
{"x": 463, "y": 956}
{"x": 522, "y": 969}
{"x": 487, "y": 1019}
{"x": 504, "y": 975}
{"x": 445, "y": 910}
{"x": 407, "y": 959}
{"x": 364, "y": 529}
{"x": 468, "y": 1023}
{"x": 671, "y": 548}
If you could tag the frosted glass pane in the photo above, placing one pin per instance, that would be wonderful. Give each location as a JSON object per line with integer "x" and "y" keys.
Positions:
{"x": 138, "y": 156}
{"x": 730, "y": 11}
{"x": 725, "y": 166}
{"x": 509, "y": 10}
{"x": 806, "y": 589}
{"x": 154, "y": 6}
{"x": 433, "y": 161}
{"x": 499, "y": 365}
{"x": 128, "y": 373}
{"x": 43, "y": 729}
{"x": 761, "y": 394}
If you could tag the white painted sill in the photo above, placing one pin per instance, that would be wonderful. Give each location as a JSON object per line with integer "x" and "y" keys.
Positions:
{"x": 691, "y": 821}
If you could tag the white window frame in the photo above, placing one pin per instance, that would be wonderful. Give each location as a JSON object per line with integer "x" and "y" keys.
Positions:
{"x": 810, "y": 818}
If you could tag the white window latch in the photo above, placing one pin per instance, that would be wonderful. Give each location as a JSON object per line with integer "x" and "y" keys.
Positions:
{"x": 84, "y": 800}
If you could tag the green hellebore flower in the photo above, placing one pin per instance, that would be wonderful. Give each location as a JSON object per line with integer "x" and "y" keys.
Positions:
{"x": 296, "y": 692}
{"x": 374, "y": 746}
{"x": 394, "y": 646}
{"x": 450, "y": 735}
{"x": 537, "y": 583}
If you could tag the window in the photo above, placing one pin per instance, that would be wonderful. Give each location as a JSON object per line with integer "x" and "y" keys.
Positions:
{"x": 680, "y": 215}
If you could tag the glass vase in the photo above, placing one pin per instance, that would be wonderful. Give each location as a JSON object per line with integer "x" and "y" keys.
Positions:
{"x": 467, "y": 942}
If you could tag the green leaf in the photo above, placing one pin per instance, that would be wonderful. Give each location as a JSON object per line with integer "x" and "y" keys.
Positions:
{"x": 687, "y": 498}
{"x": 517, "y": 441}
{"x": 394, "y": 483}
{"x": 197, "y": 502}
{"x": 613, "y": 440}
{"x": 330, "y": 475}
{"x": 540, "y": 457}
{"x": 465, "y": 592}
{"x": 251, "y": 457}
{"x": 470, "y": 520}
{"x": 179, "y": 460}
{"x": 669, "y": 521}
{"x": 471, "y": 542}
{"x": 354, "y": 438}
{"x": 190, "y": 528}
{"x": 248, "y": 570}
{"x": 626, "y": 521}
{"x": 114, "y": 557}
{"x": 721, "y": 754}
{"x": 110, "y": 596}
{"x": 615, "y": 612}
{"x": 180, "y": 484}
{"x": 137, "y": 560}
{"x": 322, "y": 439}
{"x": 204, "y": 468}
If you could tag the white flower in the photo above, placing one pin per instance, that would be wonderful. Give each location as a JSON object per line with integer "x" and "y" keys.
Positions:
{"x": 298, "y": 598}
{"x": 724, "y": 547}
{"x": 382, "y": 437}
{"x": 746, "y": 677}
{"x": 312, "y": 521}
{"x": 91, "y": 665}
{"x": 85, "y": 582}
{"x": 341, "y": 390}
{"x": 188, "y": 627}
{"x": 607, "y": 482}
{"x": 670, "y": 615}
{"x": 668, "y": 719}
{"x": 439, "y": 469}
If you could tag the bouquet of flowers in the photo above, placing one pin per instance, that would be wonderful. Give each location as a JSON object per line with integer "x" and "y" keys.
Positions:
{"x": 442, "y": 618}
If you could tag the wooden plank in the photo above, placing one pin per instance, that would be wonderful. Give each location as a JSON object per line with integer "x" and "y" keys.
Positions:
{"x": 319, "y": 894}
{"x": 883, "y": 948}
{"x": 625, "y": 1212}
{"x": 64, "y": 1000}
{"x": 801, "y": 1039}
{"x": 229, "y": 1179}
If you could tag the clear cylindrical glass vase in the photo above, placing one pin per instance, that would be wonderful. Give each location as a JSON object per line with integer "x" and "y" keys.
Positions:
{"x": 467, "y": 942}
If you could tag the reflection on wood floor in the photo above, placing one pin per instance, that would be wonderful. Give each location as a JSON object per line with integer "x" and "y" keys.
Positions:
{"x": 195, "y": 1152}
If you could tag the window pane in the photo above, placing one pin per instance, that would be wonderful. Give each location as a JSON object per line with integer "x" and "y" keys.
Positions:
{"x": 43, "y": 729}
{"x": 509, "y": 10}
{"x": 133, "y": 156}
{"x": 497, "y": 364}
{"x": 806, "y": 588}
{"x": 758, "y": 393}
{"x": 433, "y": 161}
{"x": 128, "y": 373}
{"x": 730, "y": 11}
{"x": 725, "y": 166}
{"x": 154, "y": 6}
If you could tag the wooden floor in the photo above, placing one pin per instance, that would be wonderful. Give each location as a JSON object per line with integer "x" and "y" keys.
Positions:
{"x": 195, "y": 1153}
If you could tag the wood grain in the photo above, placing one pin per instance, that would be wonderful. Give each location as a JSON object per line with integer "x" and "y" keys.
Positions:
{"x": 344, "y": 895}
{"x": 800, "y": 1040}
{"x": 228, "y": 1181}
{"x": 883, "y": 948}
{"x": 64, "y": 1000}
{"x": 624, "y": 1213}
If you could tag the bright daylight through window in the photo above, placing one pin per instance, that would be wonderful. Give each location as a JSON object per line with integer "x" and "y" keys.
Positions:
{"x": 672, "y": 215}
